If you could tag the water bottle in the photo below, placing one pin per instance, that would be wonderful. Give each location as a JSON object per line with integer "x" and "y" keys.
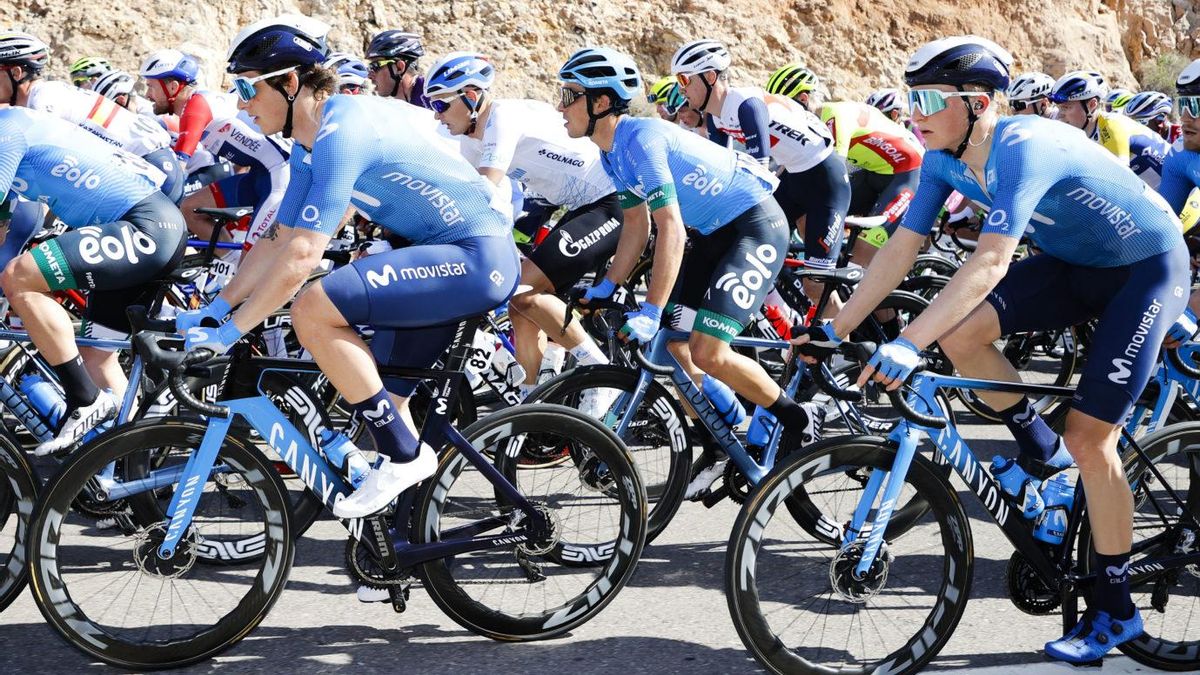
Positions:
{"x": 343, "y": 454}
{"x": 19, "y": 406}
{"x": 762, "y": 424}
{"x": 1059, "y": 495}
{"x": 1018, "y": 485}
{"x": 552, "y": 362}
{"x": 724, "y": 400}
{"x": 45, "y": 398}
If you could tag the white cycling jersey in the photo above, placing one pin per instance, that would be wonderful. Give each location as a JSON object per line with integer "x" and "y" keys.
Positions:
{"x": 239, "y": 141}
{"x": 133, "y": 133}
{"x": 799, "y": 140}
{"x": 528, "y": 142}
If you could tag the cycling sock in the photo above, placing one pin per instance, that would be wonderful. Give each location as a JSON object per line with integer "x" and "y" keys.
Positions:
{"x": 1111, "y": 592}
{"x": 391, "y": 435}
{"x": 77, "y": 385}
{"x": 1035, "y": 438}
{"x": 588, "y": 354}
{"x": 789, "y": 413}
{"x": 524, "y": 389}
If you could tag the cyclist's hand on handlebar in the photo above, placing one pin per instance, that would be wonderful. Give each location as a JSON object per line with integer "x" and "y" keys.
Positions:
{"x": 892, "y": 364}
{"x": 601, "y": 291}
{"x": 219, "y": 340}
{"x": 214, "y": 312}
{"x": 641, "y": 325}
{"x": 817, "y": 342}
{"x": 1183, "y": 330}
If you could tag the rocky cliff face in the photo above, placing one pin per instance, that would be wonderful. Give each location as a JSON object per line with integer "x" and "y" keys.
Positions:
{"x": 855, "y": 45}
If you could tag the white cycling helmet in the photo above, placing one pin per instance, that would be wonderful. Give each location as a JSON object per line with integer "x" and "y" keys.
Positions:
{"x": 1030, "y": 86}
{"x": 1188, "y": 83}
{"x": 114, "y": 83}
{"x": 170, "y": 63}
{"x": 1078, "y": 85}
{"x": 458, "y": 70}
{"x": 887, "y": 100}
{"x": 700, "y": 56}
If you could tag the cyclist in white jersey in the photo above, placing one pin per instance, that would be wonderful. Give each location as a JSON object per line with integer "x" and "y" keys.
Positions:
{"x": 95, "y": 113}
{"x": 525, "y": 140}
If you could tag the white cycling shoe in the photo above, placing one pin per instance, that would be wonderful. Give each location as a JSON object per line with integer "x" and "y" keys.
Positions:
{"x": 79, "y": 423}
{"x": 385, "y": 482}
{"x": 702, "y": 484}
{"x": 368, "y": 594}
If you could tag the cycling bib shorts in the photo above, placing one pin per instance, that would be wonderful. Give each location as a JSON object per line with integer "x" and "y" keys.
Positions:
{"x": 822, "y": 196}
{"x": 581, "y": 242}
{"x": 875, "y": 194}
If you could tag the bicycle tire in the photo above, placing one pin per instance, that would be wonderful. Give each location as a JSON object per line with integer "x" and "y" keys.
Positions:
{"x": 18, "y": 492}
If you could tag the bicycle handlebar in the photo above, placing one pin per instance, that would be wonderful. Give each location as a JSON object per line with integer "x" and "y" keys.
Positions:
{"x": 164, "y": 350}
{"x": 603, "y": 305}
{"x": 862, "y": 352}
{"x": 1187, "y": 366}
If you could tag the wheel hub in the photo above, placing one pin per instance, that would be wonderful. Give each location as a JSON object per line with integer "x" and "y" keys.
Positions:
{"x": 845, "y": 581}
{"x": 146, "y": 553}
{"x": 543, "y": 538}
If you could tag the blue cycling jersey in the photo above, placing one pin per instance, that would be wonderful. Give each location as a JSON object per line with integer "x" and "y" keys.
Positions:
{"x": 1073, "y": 198}
{"x": 371, "y": 153}
{"x": 660, "y": 163}
{"x": 1181, "y": 173}
{"x": 84, "y": 180}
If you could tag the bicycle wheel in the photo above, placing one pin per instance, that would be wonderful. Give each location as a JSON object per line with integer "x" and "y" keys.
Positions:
{"x": 18, "y": 491}
{"x": 933, "y": 264}
{"x": 658, "y": 437}
{"x": 108, "y": 592}
{"x": 534, "y": 590}
{"x": 794, "y": 600}
{"x": 1042, "y": 357}
{"x": 1170, "y": 600}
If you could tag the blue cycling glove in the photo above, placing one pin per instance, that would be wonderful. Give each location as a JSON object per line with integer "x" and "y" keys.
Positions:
{"x": 217, "y": 310}
{"x": 822, "y": 341}
{"x": 1184, "y": 328}
{"x": 601, "y": 291}
{"x": 896, "y": 360}
{"x": 642, "y": 325}
{"x": 219, "y": 340}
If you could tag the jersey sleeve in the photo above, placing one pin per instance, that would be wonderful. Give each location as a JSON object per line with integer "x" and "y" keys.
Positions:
{"x": 927, "y": 202}
{"x": 1024, "y": 178}
{"x": 647, "y": 155}
{"x": 1113, "y": 137}
{"x": 338, "y": 159}
{"x": 299, "y": 183}
{"x": 840, "y": 128}
{"x": 1175, "y": 186}
{"x": 500, "y": 138}
{"x": 195, "y": 118}
{"x": 755, "y": 120}
{"x": 714, "y": 132}
{"x": 13, "y": 146}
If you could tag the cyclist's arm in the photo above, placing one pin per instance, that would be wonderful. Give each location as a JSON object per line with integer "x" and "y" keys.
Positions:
{"x": 498, "y": 145}
{"x": 1175, "y": 185}
{"x": 195, "y": 118}
{"x": 635, "y": 232}
{"x": 12, "y": 149}
{"x": 296, "y": 252}
{"x": 756, "y": 124}
{"x": 668, "y": 252}
{"x": 715, "y": 134}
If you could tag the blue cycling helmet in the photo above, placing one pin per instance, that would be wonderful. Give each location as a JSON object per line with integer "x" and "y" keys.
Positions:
{"x": 395, "y": 44}
{"x": 170, "y": 64}
{"x": 1148, "y": 105}
{"x": 350, "y": 69}
{"x": 600, "y": 68}
{"x": 959, "y": 61}
{"x": 456, "y": 71}
{"x": 278, "y": 42}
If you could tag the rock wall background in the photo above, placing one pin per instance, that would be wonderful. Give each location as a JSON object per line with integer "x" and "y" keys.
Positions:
{"x": 854, "y": 45}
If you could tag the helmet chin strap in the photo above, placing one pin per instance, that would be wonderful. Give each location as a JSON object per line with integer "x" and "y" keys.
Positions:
{"x": 592, "y": 116}
{"x": 12, "y": 81}
{"x": 291, "y": 99}
{"x": 972, "y": 118}
{"x": 395, "y": 79}
{"x": 473, "y": 106}
{"x": 708, "y": 88}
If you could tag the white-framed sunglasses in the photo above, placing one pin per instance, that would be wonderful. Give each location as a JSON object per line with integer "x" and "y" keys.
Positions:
{"x": 244, "y": 86}
{"x": 930, "y": 101}
{"x": 1189, "y": 105}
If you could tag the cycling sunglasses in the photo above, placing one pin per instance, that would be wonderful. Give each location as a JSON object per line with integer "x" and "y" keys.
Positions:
{"x": 566, "y": 97}
{"x": 1021, "y": 105}
{"x": 441, "y": 105}
{"x": 376, "y": 66}
{"x": 1189, "y": 105}
{"x": 244, "y": 86}
{"x": 931, "y": 101}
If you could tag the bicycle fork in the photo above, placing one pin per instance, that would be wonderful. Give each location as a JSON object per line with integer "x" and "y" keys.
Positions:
{"x": 191, "y": 484}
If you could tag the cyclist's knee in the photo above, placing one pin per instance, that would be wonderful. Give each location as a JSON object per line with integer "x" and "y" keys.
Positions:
{"x": 1092, "y": 442}
{"x": 314, "y": 308}
{"x": 21, "y": 274}
{"x": 981, "y": 328}
{"x": 710, "y": 355}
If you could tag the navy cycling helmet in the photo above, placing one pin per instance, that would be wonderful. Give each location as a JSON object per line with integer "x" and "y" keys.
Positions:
{"x": 395, "y": 44}
{"x": 959, "y": 61}
{"x": 279, "y": 42}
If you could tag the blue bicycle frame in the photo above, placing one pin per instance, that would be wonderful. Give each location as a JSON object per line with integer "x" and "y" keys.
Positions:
{"x": 1172, "y": 383}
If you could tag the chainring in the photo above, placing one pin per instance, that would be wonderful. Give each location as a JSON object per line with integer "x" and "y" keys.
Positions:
{"x": 365, "y": 570}
{"x": 1026, "y": 588}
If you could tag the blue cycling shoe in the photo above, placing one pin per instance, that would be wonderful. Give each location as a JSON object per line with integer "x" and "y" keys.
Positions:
{"x": 1095, "y": 635}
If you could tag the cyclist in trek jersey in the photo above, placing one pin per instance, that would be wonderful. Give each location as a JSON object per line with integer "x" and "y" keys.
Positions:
{"x": 352, "y": 72}
{"x": 261, "y": 186}
{"x": 392, "y": 63}
{"x": 1153, "y": 109}
{"x": 124, "y": 234}
{"x": 795, "y": 82}
{"x": 171, "y": 84}
{"x": 1029, "y": 94}
{"x": 1112, "y": 251}
{"x": 1079, "y": 95}
{"x": 1180, "y": 184}
{"x": 891, "y": 103}
{"x": 86, "y": 71}
{"x": 814, "y": 190}
{"x": 360, "y": 151}
{"x": 88, "y": 109}
{"x": 739, "y": 234}
{"x": 525, "y": 140}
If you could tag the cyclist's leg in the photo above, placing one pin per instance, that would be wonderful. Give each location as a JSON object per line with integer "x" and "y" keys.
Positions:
{"x": 823, "y": 193}
{"x": 892, "y": 195}
{"x": 164, "y": 160}
{"x": 219, "y": 194}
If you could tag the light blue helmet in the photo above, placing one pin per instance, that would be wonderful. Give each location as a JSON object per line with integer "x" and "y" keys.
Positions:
{"x": 457, "y": 71}
{"x": 601, "y": 68}
{"x": 1148, "y": 105}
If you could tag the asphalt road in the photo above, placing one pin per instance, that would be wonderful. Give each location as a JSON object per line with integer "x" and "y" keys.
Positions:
{"x": 671, "y": 618}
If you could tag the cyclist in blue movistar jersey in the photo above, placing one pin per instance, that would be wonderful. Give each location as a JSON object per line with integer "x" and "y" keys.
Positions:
{"x": 124, "y": 235}
{"x": 739, "y": 234}
{"x": 360, "y": 152}
{"x": 1112, "y": 251}
{"x": 1181, "y": 170}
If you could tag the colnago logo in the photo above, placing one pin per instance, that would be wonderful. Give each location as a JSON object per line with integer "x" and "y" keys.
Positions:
{"x": 248, "y": 143}
{"x": 742, "y": 288}
{"x": 389, "y": 274}
{"x": 570, "y": 247}
{"x": 437, "y": 198}
{"x": 125, "y": 244}
{"x": 1118, "y": 217}
{"x": 1123, "y": 366}
{"x": 701, "y": 182}
{"x": 68, "y": 169}
{"x": 887, "y": 148}
{"x": 565, "y": 159}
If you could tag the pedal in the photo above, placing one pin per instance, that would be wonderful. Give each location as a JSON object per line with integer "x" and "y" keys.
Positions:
{"x": 533, "y": 572}
{"x": 715, "y": 496}
{"x": 399, "y": 595}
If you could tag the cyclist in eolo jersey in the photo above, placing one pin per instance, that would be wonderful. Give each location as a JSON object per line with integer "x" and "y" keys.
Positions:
{"x": 124, "y": 235}
{"x": 1112, "y": 251}
{"x": 525, "y": 140}
{"x": 360, "y": 151}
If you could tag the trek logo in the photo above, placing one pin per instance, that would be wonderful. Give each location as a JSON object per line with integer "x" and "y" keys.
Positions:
{"x": 69, "y": 169}
{"x": 571, "y": 248}
{"x": 784, "y": 131}
{"x": 1122, "y": 372}
{"x": 700, "y": 181}
{"x": 552, "y": 155}
{"x": 446, "y": 207}
{"x": 742, "y": 287}
{"x": 389, "y": 274}
{"x": 1118, "y": 217}
{"x": 126, "y": 244}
